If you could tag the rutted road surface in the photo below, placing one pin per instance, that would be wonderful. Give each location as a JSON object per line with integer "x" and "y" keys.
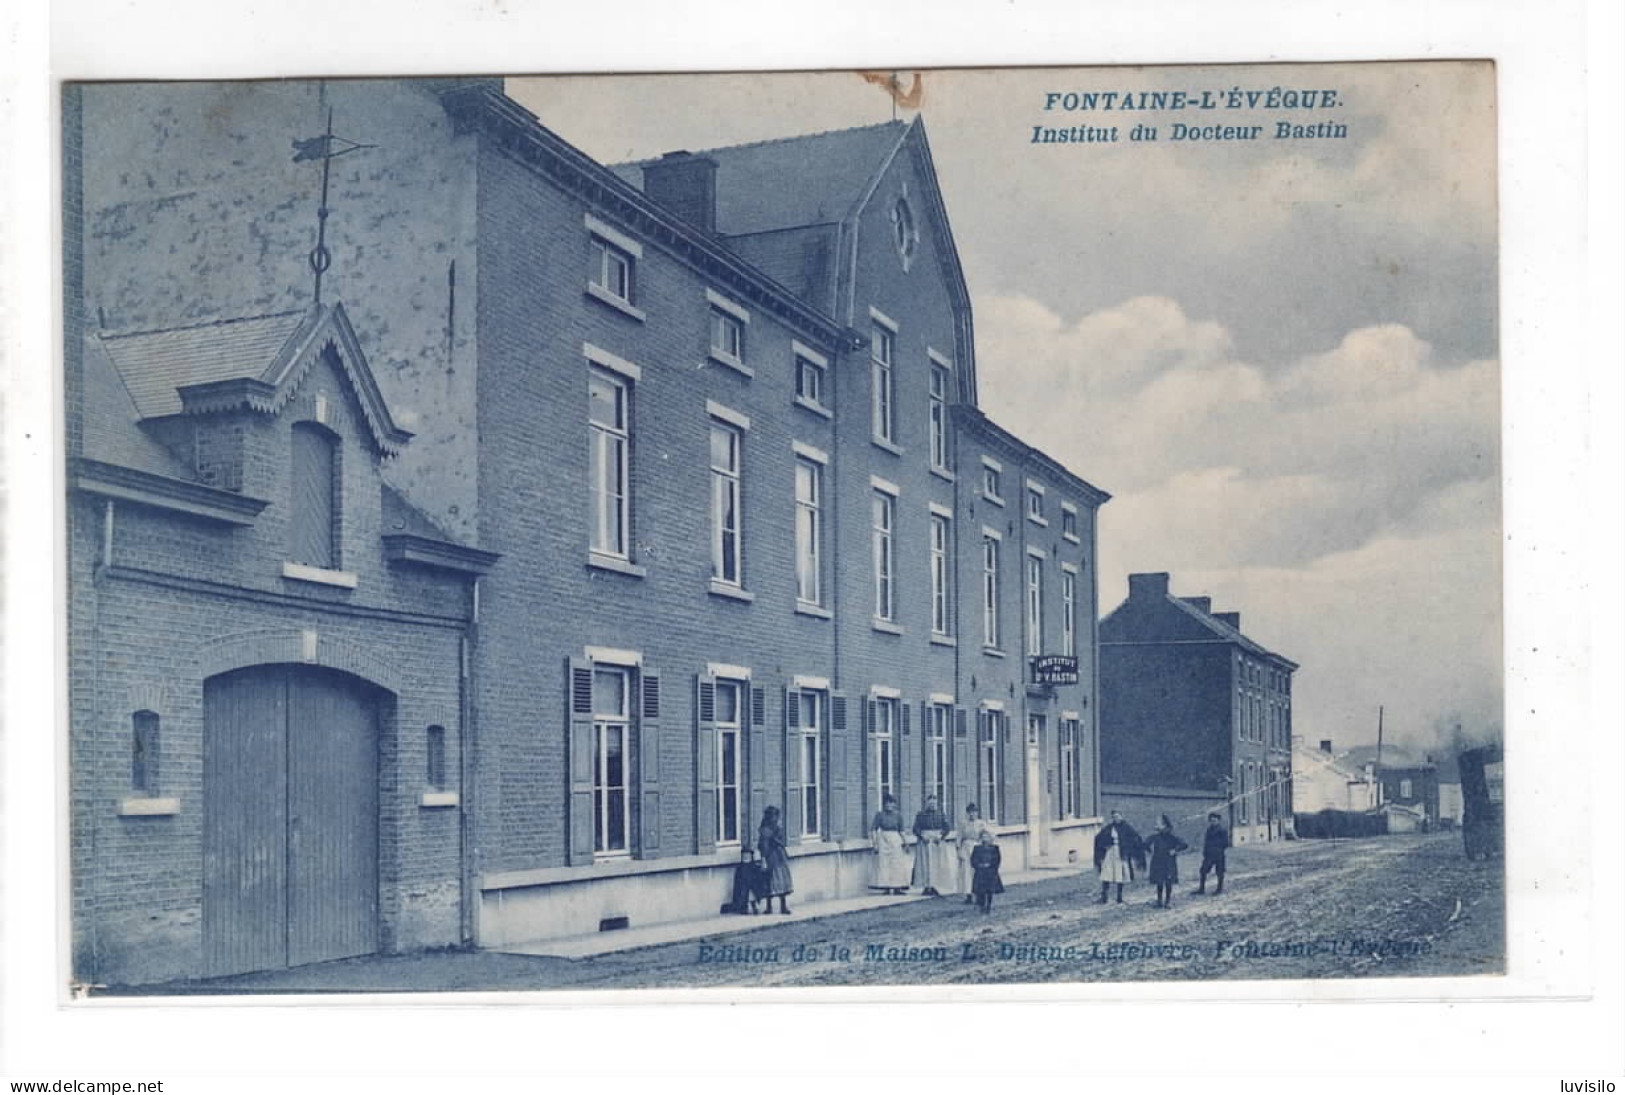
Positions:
{"x": 1398, "y": 906}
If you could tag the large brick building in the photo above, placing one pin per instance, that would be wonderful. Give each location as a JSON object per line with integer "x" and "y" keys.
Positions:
{"x": 589, "y": 512}
{"x": 1194, "y": 715}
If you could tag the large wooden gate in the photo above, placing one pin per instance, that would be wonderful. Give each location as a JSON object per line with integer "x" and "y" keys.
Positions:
{"x": 290, "y": 813}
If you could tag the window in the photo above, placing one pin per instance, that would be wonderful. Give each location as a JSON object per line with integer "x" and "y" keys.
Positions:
{"x": 1404, "y": 788}
{"x": 1035, "y": 605}
{"x": 611, "y": 269}
{"x": 941, "y": 578}
{"x": 809, "y": 712}
{"x": 937, "y": 717}
{"x": 611, "y": 724}
{"x": 1243, "y": 792}
{"x": 992, "y": 476}
{"x": 144, "y": 753}
{"x": 1069, "y": 522}
{"x": 881, "y": 349}
{"x": 809, "y": 531}
{"x": 434, "y": 774}
{"x": 939, "y": 417}
{"x": 1069, "y": 612}
{"x": 727, "y": 336}
{"x": 987, "y": 762}
{"x": 730, "y": 703}
{"x": 1035, "y": 504}
{"x": 883, "y": 747}
{"x": 725, "y": 546}
{"x": 1070, "y": 804}
{"x": 884, "y": 512}
{"x": 315, "y": 508}
{"x": 607, "y": 399}
{"x": 990, "y": 591}
{"x": 809, "y": 380}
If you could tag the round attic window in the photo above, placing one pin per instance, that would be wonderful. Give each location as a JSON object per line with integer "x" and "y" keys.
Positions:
{"x": 904, "y": 234}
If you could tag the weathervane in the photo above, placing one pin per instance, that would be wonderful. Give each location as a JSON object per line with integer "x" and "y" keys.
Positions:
{"x": 322, "y": 148}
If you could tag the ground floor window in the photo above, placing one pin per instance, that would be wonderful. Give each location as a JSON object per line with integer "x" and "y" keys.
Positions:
{"x": 611, "y": 691}
{"x": 1070, "y": 733}
{"x": 730, "y": 703}
{"x": 809, "y": 715}
{"x": 937, "y": 717}
{"x": 883, "y": 748}
{"x": 987, "y": 762}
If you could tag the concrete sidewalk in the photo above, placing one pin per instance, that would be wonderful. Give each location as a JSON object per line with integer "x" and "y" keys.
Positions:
{"x": 597, "y": 943}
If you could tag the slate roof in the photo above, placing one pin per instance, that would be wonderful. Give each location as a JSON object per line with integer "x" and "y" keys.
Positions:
{"x": 154, "y": 364}
{"x": 1393, "y": 756}
{"x": 1222, "y": 630}
{"x": 791, "y": 182}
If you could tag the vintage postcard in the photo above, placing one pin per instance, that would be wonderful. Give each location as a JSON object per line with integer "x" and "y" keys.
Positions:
{"x": 885, "y": 528}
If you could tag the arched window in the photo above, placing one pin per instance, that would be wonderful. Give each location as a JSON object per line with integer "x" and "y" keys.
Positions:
{"x": 144, "y": 753}
{"x": 313, "y": 534}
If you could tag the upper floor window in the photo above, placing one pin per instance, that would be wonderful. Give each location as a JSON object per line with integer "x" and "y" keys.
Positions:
{"x": 990, "y": 591}
{"x": 1069, "y": 521}
{"x": 992, "y": 481}
{"x": 1069, "y": 612}
{"x": 608, "y": 398}
{"x": 884, "y": 513}
{"x": 809, "y": 531}
{"x": 939, "y": 416}
{"x": 941, "y": 576}
{"x": 612, "y": 266}
{"x": 1035, "y": 604}
{"x": 1035, "y": 503}
{"x": 882, "y": 349}
{"x": 315, "y": 495}
{"x": 725, "y": 502}
{"x": 144, "y": 754}
{"x": 809, "y": 380}
{"x": 729, "y": 323}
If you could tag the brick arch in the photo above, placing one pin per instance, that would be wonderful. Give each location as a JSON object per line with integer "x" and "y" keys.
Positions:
{"x": 299, "y": 647}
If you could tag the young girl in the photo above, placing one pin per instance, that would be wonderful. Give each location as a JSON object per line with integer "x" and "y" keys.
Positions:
{"x": 1164, "y": 846}
{"x": 770, "y": 843}
{"x": 984, "y": 861}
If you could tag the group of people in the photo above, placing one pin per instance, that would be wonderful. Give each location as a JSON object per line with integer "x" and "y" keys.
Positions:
{"x": 945, "y": 860}
{"x": 1119, "y": 850}
{"x": 966, "y": 860}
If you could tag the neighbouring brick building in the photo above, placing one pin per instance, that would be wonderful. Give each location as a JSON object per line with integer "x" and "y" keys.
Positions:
{"x": 1194, "y": 715}
{"x": 605, "y": 507}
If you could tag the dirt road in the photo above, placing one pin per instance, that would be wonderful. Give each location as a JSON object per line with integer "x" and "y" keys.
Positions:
{"x": 1398, "y": 906}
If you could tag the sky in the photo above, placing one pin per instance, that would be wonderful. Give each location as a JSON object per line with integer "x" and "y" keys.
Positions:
{"x": 1278, "y": 356}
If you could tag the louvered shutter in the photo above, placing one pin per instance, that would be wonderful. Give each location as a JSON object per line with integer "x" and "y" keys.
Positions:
{"x": 579, "y": 761}
{"x": 905, "y": 755}
{"x": 649, "y": 762}
{"x": 839, "y": 762}
{"x": 963, "y": 774}
{"x": 757, "y": 761}
{"x": 869, "y": 776}
{"x": 705, "y": 764}
{"x": 792, "y": 763}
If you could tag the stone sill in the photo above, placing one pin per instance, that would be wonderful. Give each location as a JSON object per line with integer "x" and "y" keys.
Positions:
{"x": 604, "y": 296}
{"x": 890, "y": 446}
{"x": 322, "y": 576}
{"x": 803, "y": 608}
{"x": 816, "y": 408}
{"x": 993, "y": 652}
{"x": 731, "y": 362}
{"x": 994, "y": 499}
{"x": 943, "y": 640}
{"x": 432, "y": 800}
{"x": 719, "y": 588}
{"x": 944, "y": 474}
{"x": 615, "y": 565}
{"x": 1071, "y": 538}
{"x": 149, "y": 807}
{"x": 1042, "y": 522}
{"x": 885, "y": 627}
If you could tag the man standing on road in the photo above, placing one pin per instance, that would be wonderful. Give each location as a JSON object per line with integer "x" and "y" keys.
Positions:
{"x": 1117, "y": 848}
{"x": 1214, "y": 843}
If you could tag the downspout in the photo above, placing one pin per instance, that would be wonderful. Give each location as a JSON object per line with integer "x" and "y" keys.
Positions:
{"x": 466, "y": 767}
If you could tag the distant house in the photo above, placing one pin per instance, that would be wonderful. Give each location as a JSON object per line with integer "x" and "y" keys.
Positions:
{"x": 1405, "y": 779}
{"x": 1194, "y": 715}
{"x": 1325, "y": 780}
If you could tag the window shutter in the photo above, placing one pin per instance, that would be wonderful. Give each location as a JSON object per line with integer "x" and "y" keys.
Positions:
{"x": 705, "y": 764}
{"x": 649, "y": 764}
{"x": 315, "y": 492}
{"x": 838, "y": 766}
{"x": 905, "y": 757}
{"x": 756, "y": 759}
{"x": 792, "y": 763}
{"x": 579, "y": 761}
{"x": 963, "y": 771}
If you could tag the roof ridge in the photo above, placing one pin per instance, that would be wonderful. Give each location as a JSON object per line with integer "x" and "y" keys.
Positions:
{"x": 765, "y": 142}
{"x": 199, "y": 326}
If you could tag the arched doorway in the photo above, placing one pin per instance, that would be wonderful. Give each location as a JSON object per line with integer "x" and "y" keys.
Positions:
{"x": 290, "y": 815}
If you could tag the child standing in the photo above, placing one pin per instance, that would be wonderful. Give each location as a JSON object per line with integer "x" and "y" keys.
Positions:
{"x": 1164, "y": 846}
{"x": 984, "y": 861}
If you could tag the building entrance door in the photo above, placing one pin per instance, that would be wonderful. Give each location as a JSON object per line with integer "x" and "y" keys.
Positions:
{"x": 290, "y": 818}
{"x": 1037, "y": 836}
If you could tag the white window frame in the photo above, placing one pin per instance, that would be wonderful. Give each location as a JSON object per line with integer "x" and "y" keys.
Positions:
{"x": 1035, "y": 602}
{"x": 609, "y": 247}
{"x": 941, "y": 562}
{"x": 1069, "y": 523}
{"x": 941, "y": 385}
{"x": 739, "y": 730}
{"x": 727, "y": 486}
{"x": 989, "y": 779}
{"x": 727, "y": 317}
{"x": 936, "y": 733}
{"x": 885, "y": 716}
{"x": 812, "y": 783}
{"x": 883, "y": 530}
{"x": 1069, "y": 609}
{"x": 1035, "y": 503}
{"x": 810, "y": 362}
{"x": 605, "y": 723}
{"x": 1071, "y": 777}
{"x": 809, "y": 530}
{"x": 610, "y": 532}
{"x": 992, "y": 481}
{"x": 992, "y": 547}
{"x": 883, "y": 390}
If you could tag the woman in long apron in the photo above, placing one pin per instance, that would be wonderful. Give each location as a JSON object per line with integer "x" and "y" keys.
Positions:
{"x": 933, "y": 864}
{"x": 891, "y": 860}
{"x": 770, "y": 842}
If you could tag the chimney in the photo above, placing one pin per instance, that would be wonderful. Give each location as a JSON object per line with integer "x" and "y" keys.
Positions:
{"x": 1326, "y": 746}
{"x": 1148, "y": 586}
{"x": 686, "y": 184}
{"x": 1229, "y": 619}
{"x": 1203, "y": 604}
